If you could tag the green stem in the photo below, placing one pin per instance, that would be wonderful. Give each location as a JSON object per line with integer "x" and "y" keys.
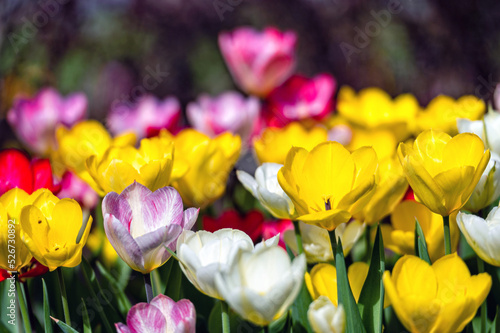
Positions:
{"x": 447, "y": 242}
{"x": 225, "y": 317}
{"x": 64, "y": 298}
{"x": 148, "y": 286}
{"x": 298, "y": 237}
{"x": 22, "y": 305}
{"x": 484, "y": 309}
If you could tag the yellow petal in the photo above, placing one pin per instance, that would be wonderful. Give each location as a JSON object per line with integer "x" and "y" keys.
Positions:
{"x": 289, "y": 175}
{"x": 357, "y": 273}
{"x": 324, "y": 281}
{"x": 329, "y": 219}
{"x": 453, "y": 184}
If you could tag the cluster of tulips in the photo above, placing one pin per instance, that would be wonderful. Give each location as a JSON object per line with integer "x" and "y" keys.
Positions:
{"x": 365, "y": 213}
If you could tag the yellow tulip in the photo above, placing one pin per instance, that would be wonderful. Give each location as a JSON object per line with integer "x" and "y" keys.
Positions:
{"x": 443, "y": 111}
{"x": 328, "y": 184}
{"x": 274, "y": 143}
{"x": 383, "y": 141}
{"x": 13, "y": 253}
{"x": 210, "y": 160}
{"x": 391, "y": 187}
{"x": 83, "y": 140}
{"x": 443, "y": 171}
{"x": 373, "y": 108}
{"x": 400, "y": 235}
{"x": 151, "y": 165}
{"x": 440, "y": 298}
{"x": 54, "y": 230}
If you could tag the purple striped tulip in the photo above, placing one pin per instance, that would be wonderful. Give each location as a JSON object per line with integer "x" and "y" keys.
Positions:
{"x": 34, "y": 120}
{"x": 140, "y": 223}
{"x": 161, "y": 315}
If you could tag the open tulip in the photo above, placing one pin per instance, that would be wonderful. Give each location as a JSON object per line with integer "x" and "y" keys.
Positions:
{"x": 146, "y": 117}
{"x": 487, "y": 189}
{"x": 486, "y": 129}
{"x": 152, "y": 165}
{"x": 250, "y": 223}
{"x": 391, "y": 187}
{"x": 328, "y": 184}
{"x": 34, "y": 120}
{"x": 16, "y": 170}
{"x": 274, "y": 143}
{"x": 54, "y": 231}
{"x": 228, "y": 112}
{"x": 162, "y": 314}
{"x": 265, "y": 188}
{"x": 209, "y": 160}
{"x": 441, "y": 298}
{"x": 259, "y": 300}
{"x": 258, "y": 61}
{"x": 443, "y": 111}
{"x": 483, "y": 235}
{"x": 302, "y": 98}
{"x": 399, "y": 236}
{"x": 326, "y": 317}
{"x": 443, "y": 171}
{"x": 140, "y": 224}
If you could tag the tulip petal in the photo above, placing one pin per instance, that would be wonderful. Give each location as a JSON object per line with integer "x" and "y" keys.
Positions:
{"x": 463, "y": 149}
{"x": 454, "y": 182}
{"x": 122, "y": 328}
{"x": 248, "y": 182}
{"x": 323, "y": 279}
{"x": 153, "y": 244}
{"x": 144, "y": 317}
{"x": 189, "y": 218}
{"x": 329, "y": 219}
{"x": 116, "y": 205}
{"x": 64, "y": 224}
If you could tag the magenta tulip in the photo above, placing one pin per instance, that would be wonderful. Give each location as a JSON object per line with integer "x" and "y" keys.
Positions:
{"x": 161, "y": 315}
{"x": 258, "y": 61}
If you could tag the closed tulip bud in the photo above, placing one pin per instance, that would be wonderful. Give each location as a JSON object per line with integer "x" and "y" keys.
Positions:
{"x": 326, "y": 317}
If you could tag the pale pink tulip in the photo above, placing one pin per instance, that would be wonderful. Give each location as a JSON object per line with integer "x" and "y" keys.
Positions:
{"x": 258, "y": 61}
{"x": 74, "y": 188}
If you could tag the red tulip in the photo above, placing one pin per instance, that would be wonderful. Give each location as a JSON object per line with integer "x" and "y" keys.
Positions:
{"x": 251, "y": 223}
{"x": 272, "y": 228}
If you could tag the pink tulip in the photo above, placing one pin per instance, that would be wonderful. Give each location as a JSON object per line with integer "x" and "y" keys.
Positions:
{"x": 301, "y": 98}
{"x": 273, "y": 228}
{"x": 161, "y": 315}
{"x": 145, "y": 118}
{"x": 258, "y": 61}
{"x": 229, "y": 111}
{"x": 140, "y": 224}
{"x": 75, "y": 188}
{"x": 34, "y": 120}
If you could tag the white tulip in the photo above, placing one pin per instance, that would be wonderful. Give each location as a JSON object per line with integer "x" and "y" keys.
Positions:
{"x": 487, "y": 189}
{"x": 325, "y": 317}
{"x": 483, "y": 235}
{"x": 486, "y": 129}
{"x": 316, "y": 240}
{"x": 265, "y": 188}
{"x": 260, "y": 285}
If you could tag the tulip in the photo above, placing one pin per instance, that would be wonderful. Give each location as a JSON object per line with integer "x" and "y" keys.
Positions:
{"x": 441, "y": 298}
{"x": 161, "y": 315}
{"x": 34, "y": 120}
{"x": 201, "y": 254}
{"x": 75, "y": 188}
{"x": 11, "y": 204}
{"x": 441, "y": 172}
{"x": 140, "y": 224}
{"x": 265, "y": 188}
{"x": 257, "y": 299}
{"x": 487, "y": 189}
{"x": 83, "y": 140}
{"x": 274, "y": 143}
{"x": 16, "y": 170}
{"x": 326, "y": 317}
{"x": 383, "y": 141}
{"x": 482, "y": 234}
{"x": 146, "y": 117}
{"x": 250, "y": 223}
{"x": 399, "y": 236}
{"x": 278, "y": 228}
{"x": 228, "y": 112}
{"x": 258, "y": 61}
{"x": 328, "y": 184}
{"x": 151, "y": 165}
{"x": 391, "y": 187}
{"x": 486, "y": 129}
{"x": 443, "y": 111}
{"x": 373, "y": 108}
{"x": 210, "y": 161}
{"x": 316, "y": 241}
{"x": 301, "y": 98}
{"x": 54, "y": 230}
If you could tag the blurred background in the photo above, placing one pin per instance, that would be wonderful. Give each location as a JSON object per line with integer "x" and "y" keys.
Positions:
{"x": 105, "y": 48}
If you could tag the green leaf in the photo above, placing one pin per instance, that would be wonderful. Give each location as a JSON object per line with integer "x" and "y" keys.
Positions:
{"x": 46, "y": 309}
{"x": 420, "y": 244}
{"x": 86, "y": 321}
{"x": 495, "y": 325}
{"x": 123, "y": 302}
{"x": 173, "y": 289}
{"x": 64, "y": 327}
{"x": 371, "y": 299}
{"x": 279, "y": 325}
{"x": 215, "y": 320}
{"x": 354, "y": 323}
{"x": 299, "y": 309}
